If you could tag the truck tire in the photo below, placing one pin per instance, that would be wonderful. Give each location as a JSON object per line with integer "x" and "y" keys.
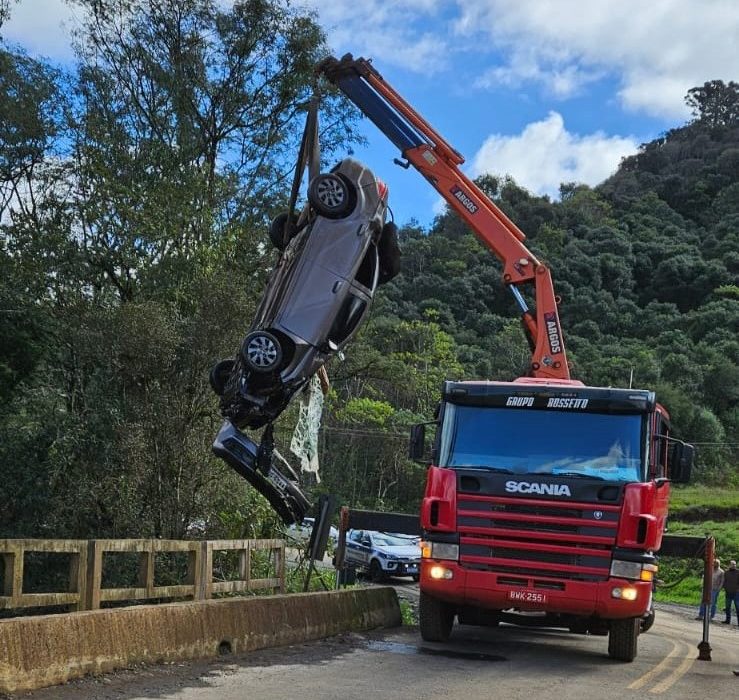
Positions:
{"x": 622, "y": 639}
{"x": 435, "y": 619}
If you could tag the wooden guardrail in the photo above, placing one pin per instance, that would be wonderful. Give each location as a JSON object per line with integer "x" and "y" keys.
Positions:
{"x": 85, "y": 589}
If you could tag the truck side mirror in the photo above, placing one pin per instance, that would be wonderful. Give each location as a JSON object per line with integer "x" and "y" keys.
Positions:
{"x": 417, "y": 445}
{"x": 682, "y": 456}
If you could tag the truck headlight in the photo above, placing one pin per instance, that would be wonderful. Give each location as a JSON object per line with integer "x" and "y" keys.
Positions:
{"x": 633, "y": 570}
{"x": 440, "y": 550}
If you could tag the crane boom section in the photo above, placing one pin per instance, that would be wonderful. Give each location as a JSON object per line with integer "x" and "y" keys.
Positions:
{"x": 429, "y": 153}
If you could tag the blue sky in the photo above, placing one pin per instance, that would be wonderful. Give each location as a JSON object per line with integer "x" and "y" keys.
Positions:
{"x": 545, "y": 90}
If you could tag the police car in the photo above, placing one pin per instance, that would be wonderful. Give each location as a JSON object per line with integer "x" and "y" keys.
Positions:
{"x": 383, "y": 554}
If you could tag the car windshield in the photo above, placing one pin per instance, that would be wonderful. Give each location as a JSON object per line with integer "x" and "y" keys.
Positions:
{"x": 563, "y": 443}
{"x": 385, "y": 540}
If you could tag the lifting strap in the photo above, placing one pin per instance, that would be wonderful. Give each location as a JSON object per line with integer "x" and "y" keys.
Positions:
{"x": 309, "y": 155}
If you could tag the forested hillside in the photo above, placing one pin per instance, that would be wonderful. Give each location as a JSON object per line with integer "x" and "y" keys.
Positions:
{"x": 647, "y": 266}
{"x": 135, "y": 193}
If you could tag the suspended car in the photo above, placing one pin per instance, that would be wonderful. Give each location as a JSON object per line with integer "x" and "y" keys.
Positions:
{"x": 332, "y": 260}
{"x": 333, "y": 256}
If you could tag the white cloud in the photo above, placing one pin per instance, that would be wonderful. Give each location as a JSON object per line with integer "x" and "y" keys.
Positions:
{"x": 42, "y": 28}
{"x": 657, "y": 49}
{"x": 405, "y": 33}
{"x": 545, "y": 154}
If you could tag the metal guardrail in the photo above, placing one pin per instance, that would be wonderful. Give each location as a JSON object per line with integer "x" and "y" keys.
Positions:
{"x": 85, "y": 589}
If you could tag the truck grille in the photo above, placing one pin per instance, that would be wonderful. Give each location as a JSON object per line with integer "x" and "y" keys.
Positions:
{"x": 535, "y": 537}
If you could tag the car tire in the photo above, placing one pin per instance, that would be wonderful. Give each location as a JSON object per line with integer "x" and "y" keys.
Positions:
{"x": 261, "y": 352}
{"x": 331, "y": 195}
{"x": 435, "y": 619}
{"x": 375, "y": 572}
{"x": 416, "y": 578}
{"x": 219, "y": 375}
{"x": 622, "y": 639}
{"x": 277, "y": 234}
{"x": 389, "y": 253}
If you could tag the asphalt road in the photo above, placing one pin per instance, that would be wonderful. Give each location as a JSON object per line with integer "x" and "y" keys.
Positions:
{"x": 506, "y": 662}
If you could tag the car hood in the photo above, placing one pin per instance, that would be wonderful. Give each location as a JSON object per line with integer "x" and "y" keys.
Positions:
{"x": 404, "y": 550}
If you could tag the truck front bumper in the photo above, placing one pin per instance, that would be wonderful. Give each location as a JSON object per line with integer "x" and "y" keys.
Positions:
{"x": 495, "y": 591}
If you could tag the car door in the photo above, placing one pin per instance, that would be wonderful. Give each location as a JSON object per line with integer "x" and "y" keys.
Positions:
{"x": 366, "y": 548}
{"x": 353, "y": 554}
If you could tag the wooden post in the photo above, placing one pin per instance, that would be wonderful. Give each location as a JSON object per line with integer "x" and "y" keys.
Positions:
{"x": 247, "y": 564}
{"x": 78, "y": 576}
{"x": 8, "y": 573}
{"x": 704, "y": 647}
{"x": 205, "y": 576}
{"x": 146, "y": 570}
{"x": 280, "y": 566}
{"x": 17, "y": 585}
{"x": 94, "y": 575}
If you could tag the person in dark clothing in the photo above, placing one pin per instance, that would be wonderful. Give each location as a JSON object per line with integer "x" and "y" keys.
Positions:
{"x": 731, "y": 591}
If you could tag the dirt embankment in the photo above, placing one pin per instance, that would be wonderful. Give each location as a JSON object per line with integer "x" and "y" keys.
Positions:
{"x": 699, "y": 513}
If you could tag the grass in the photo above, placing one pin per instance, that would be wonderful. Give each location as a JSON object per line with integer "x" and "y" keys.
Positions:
{"x": 698, "y": 502}
{"x": 699, "y": 511}
{"x": 407, "y": 613}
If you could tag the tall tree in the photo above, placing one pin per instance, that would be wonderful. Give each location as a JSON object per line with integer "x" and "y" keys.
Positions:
{"x": 715, "y": 103}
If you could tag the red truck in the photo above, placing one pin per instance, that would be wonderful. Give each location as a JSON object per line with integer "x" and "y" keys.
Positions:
{"x": 546, "y": 499}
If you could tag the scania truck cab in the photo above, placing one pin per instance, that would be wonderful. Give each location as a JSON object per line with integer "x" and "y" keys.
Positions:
{"x": 545, "y": 504}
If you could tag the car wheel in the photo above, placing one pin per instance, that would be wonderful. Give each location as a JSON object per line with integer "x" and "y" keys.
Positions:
{"x": 219, "y": 375}
{"x": 261, "y": 352}
{"x": 389, "y": 253}
{"x": 277, "y": 234}
{"x": 435, "y": 619}
{"x": 331, "y": 196}
{"x": 375, "y": 571}
{"x": 416, "y": 577}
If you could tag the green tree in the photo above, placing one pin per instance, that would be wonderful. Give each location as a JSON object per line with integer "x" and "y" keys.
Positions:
{"x": 716, "y": 103}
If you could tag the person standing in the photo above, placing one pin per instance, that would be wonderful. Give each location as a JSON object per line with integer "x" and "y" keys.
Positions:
{"x": 731, "y": 591}
{"x": 717, "y": 584}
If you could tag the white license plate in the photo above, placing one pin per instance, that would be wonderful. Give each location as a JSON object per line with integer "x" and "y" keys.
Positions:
{"x": 413, "y": 569}
{"x": 527, "y": 597}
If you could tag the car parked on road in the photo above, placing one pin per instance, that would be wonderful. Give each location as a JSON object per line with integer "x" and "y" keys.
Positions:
{"x": 383, "y": 554}
{"x": 332, "y": 260}
{"x": 301, "y": 532}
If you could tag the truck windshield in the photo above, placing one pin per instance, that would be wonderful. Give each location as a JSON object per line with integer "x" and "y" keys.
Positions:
{"x": 542, "y": 442}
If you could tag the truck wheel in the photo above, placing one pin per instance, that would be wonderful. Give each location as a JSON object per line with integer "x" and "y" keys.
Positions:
{"x": 622, "y": 639}
{"x": 435, "y": 619}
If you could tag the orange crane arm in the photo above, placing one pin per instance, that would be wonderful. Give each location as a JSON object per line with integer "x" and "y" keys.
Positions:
{"x": 438, "y": 162}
